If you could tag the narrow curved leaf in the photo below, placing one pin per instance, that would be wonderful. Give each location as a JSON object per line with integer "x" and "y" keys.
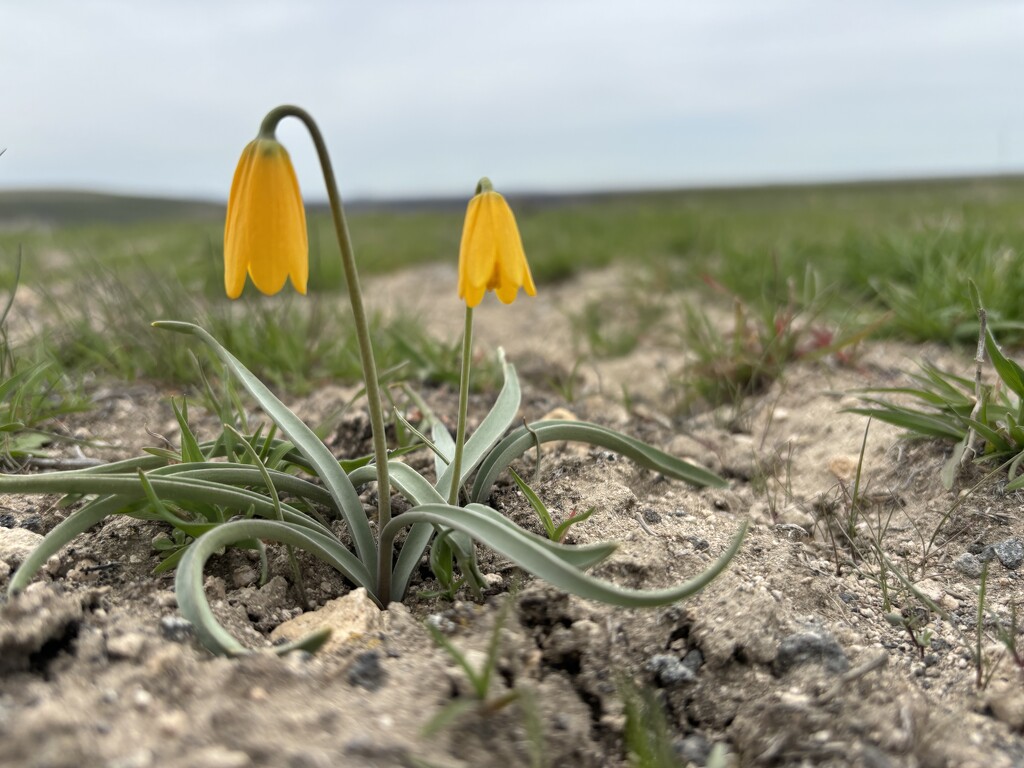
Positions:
{"x": 522, "y": 439}
{"x": 419, "y": 492}
{"x": 117, "y": 493}
{"x": 526, "y": 551}
{"x": 1009, "y": 371}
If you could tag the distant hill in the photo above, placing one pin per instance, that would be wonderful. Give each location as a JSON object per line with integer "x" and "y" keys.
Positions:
{"x": 60, "y": 208}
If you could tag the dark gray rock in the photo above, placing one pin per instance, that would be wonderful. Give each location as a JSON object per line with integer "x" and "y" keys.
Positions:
{"x": 651, "y": 516}
{"x": 669, "y": 670}
{"x": 969, "y": 565}
{"x": 693, "y": 661}
{"x": 811, "y": 647}
{"x": 1009, "y": 552}
{"x": 366, "y": 671}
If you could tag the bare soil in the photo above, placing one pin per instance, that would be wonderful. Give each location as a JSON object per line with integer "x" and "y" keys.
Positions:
{"x": 802, "y": 653}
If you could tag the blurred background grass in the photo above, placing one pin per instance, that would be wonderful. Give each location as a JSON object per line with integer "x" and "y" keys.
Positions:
{"x": 902, "y": 251}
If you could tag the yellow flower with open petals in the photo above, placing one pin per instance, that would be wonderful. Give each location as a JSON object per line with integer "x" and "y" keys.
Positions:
{"x": 491, "y": 256}
{"x": 265, "y": 233}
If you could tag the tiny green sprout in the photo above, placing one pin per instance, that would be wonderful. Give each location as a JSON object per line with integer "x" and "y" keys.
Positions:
{"x": 555, "y": 532}
{"x": 479, "y": 679}
{"x": 248, "y": 489}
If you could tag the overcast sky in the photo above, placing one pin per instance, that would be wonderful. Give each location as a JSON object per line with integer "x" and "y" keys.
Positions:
{"x": 419, "y": 98}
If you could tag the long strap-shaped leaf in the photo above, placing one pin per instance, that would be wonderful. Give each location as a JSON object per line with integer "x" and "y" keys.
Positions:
{"x": 525, "y": 551}
{"x": 324, "y": 464}
{"x": 497, "y": 420}
{"x": 188, "y": 581}
{"x": 120, "y": 492}
{"x": 167, "y": 487}
{"x": 521, "y": 440}
{"x": 245, "y": 474}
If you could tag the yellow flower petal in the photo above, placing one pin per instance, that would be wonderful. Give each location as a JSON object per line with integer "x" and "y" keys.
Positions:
{"x": 491, "y": 255}
{"x": 265, "y": 231}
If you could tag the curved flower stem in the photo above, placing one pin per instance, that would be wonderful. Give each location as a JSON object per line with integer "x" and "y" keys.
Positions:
{"x": 460, "y": 433}
{"x": 380, "y": 448}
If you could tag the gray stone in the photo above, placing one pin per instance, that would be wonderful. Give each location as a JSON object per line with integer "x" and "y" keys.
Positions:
{"x": 969, "y": 565}
{"x": 669, "y": 670}
{"x": 811, "y": 647}
{"x": 693, "y": 749}
{"x": 1010, "y": 553}
{"x": 693, "y": 660}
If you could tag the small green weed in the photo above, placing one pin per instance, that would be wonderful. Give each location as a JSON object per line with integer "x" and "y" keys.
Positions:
{"x": 986, "y": 421}
{"x": 733, "y": 365}
{"x": 33, "y": 393}
{"x": 555, "y": 532}
{"x": 647, "y": 736}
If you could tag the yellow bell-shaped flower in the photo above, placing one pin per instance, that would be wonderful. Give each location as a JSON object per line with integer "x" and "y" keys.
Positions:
{"x": 491, "y": 256}
{"x": 265, "y": 232}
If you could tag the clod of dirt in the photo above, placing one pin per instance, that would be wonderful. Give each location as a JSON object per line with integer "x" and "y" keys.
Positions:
{"x": 35, "y": 625}
{"x": 1007, "y": 704}
{"x": 742, "y": 623}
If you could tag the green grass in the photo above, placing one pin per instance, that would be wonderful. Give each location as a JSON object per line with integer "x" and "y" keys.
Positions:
{"x": 905, "y": 248}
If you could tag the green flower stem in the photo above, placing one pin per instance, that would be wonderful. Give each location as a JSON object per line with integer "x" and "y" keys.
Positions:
{"x": 460, "y": 433}
{"x": 380, "y": 448}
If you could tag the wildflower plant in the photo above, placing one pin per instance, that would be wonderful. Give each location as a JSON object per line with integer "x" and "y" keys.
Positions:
{"x": 247, "y": 489}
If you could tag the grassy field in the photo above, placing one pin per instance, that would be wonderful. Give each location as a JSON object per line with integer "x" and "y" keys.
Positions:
{"x": 897, "y": 255}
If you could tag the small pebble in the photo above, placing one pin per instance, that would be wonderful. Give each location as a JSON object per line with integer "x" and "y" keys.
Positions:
{"x": 129, "y": 646}
{"x": 651, "y": 516}
{"x": 693, "y": 749}
{"x": 244, "y": 576}
{"x": 142, "y": 698}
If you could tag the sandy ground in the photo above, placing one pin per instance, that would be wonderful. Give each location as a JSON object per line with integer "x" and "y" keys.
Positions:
{"x": 797, "y": 655}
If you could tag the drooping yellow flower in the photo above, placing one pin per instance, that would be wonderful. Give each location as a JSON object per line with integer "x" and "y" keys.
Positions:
{"x": 265, "y": 232}
{"x": 491, "y": 256}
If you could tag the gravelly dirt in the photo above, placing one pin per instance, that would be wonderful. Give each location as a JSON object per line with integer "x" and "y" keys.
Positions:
{"x": 787, "y": 659}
